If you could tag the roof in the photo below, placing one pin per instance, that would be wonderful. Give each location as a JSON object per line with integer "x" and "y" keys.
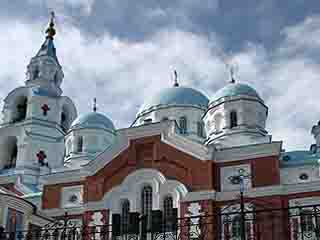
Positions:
{"x": 176, "y": 96}
{"x": 299, "y": 158}
{"x": 93, "y": 120}
{"x": 235, "y": 89}
{"x": 48, "y": 49}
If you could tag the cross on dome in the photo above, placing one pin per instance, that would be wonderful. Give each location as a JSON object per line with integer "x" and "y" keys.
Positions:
{"x": 176, "y": 84}
{"x": 94, "y": 104}
{"x": 50, "y": 30}
{"x": 232, "y": 70}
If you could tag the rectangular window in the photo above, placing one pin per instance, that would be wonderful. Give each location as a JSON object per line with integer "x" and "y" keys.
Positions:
{"x": 183, "y": 125}
{"x": 200, "y": 129}
{"x": 14, "y": 220}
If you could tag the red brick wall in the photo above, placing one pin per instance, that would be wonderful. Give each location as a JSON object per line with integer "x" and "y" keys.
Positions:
{"x": 265, "y": 171}
{"x": 151, "y": 152}
{"x": 52, "y": 194}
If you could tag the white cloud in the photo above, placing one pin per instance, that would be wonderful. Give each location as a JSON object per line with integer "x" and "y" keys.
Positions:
{"x": 123, "y": 74}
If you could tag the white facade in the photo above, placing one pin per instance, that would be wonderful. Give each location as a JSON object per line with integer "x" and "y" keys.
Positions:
{"x": 192, "y": 115}
{"x": 250, "y": 115}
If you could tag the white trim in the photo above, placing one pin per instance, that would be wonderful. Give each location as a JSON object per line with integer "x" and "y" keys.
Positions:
{"x": 165, "y": 129}
{"x": 248, "y": 152}
{"x": 279, "y": 190}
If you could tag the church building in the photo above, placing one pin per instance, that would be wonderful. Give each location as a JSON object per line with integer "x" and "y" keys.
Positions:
{"x": 185, "y": 154}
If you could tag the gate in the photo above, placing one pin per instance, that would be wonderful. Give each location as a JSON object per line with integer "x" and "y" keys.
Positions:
{"x": 294, "y": 223}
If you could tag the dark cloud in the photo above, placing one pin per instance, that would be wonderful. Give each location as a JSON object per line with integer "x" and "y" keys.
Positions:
{"x": 236, "y": 22}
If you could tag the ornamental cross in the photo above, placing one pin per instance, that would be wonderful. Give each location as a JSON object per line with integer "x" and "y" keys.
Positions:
{"x": 45, "y": 108}
{"x": 41, "y": 157}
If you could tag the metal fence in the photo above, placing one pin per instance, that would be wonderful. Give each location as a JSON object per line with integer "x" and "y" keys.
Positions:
{"x": 295, "y": 223}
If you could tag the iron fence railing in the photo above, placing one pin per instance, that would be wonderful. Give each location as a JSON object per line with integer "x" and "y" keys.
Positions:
{"x": 294, "y": 223}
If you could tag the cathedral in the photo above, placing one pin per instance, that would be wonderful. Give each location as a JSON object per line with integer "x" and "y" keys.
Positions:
{"x": 185, "y": 154}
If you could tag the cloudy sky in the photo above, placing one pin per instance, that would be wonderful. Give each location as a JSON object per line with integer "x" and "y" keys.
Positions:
{"x": 123, "y": 51}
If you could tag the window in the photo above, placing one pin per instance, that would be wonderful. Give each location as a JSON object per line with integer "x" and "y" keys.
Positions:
{"x": 168, "y": 212}
{"x": 14, "y": 220}
{"x": 80, "y": 144}
{"x": 64, "y": 121}
{"x": 306, "y": 221}
{"x": 183, "y": 125}
{"x": 167, "y": 207}
{"x": 125, "y": 209}
{"x": 21, "y": 110}
{"x": 236, "y": 226}
{"x": 304, "y": 176}
{"x": 35, "y": 73}
{"x": 55, "y": 78}
{"x": 146, "y": 199}
{"x": 10, "y": 152}
{"x": 200, "y": 130}
{"x": 233, "y": 119}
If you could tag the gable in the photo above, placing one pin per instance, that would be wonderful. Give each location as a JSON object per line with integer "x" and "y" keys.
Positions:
{"x": 151, "y": 152}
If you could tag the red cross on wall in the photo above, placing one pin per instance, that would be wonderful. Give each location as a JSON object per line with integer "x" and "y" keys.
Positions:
{"x": 45, "y": 108}
{"x": 41, "y": 157}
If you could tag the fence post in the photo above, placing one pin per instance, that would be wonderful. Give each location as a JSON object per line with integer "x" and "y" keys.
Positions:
{"x": 2, "y": 234}
{"x": 243, "y": 217}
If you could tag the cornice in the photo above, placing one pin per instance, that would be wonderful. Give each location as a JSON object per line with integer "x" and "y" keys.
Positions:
{"x": 248, "y": 152}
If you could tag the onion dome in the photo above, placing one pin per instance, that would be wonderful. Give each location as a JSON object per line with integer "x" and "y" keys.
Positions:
{"x": 93, "y": 120}
{"x": 175, "y": 96}
{"x": 233, "y": 90}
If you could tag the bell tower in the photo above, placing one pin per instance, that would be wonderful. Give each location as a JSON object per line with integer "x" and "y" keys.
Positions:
{"x": 44, "y": 69}
{"x": 36, "y": 117}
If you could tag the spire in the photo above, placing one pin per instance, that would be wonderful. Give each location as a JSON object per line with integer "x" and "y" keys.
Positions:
{"x": 176, "y": 84}
{"x": 94, "y": 104}
{"x": 48, "y": 48}
{"x": 44, "y": 68}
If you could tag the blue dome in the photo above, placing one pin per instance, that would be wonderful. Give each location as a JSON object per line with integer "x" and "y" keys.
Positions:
{"x": 176, "y": 96}
{"x": 93, "y": 120}
{"x": 235, "y": 89}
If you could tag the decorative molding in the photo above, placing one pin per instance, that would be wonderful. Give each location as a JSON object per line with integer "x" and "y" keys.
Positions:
{"x": 248, "y": 152}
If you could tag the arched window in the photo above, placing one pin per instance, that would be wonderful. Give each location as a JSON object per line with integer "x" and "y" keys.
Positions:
{"x": 200, "y": 129}
{"x": 36, "y": 73}
{"x": 80, "y": 144}
{"x": 307, "y": 221}
{"x": 13, "y": 157}
{"x": 55, "y": 78}
{"x": 236, "y": 226}
{"x": 9, "y": 153}
{"x": 64, "y": 122}
{"x": 21, "y": 110}
{"x": 125, "y": 209}
{"x": 233, "y": 119}
{"x": 183, "y": 125}
{"x": 146, "y": 200}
